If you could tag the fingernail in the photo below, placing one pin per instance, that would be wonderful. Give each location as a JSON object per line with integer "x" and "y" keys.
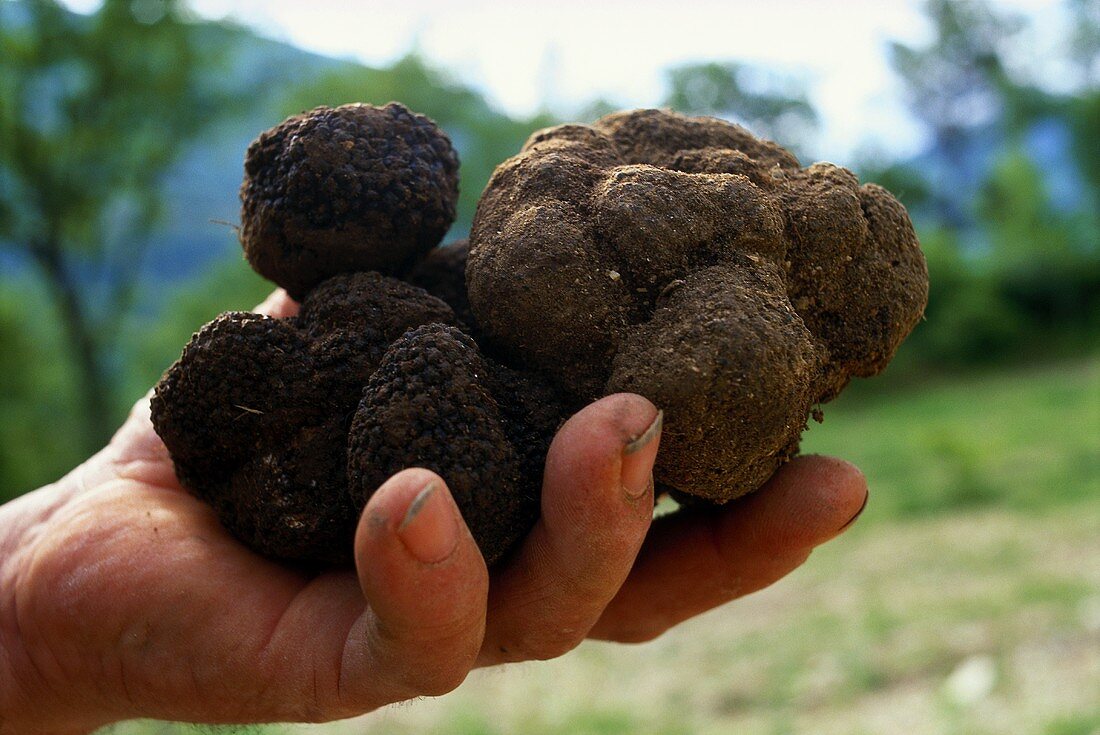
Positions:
{"x": 638, "y": 457}
{"x": 429, "y": 529}
{"x": 859, "y": 512}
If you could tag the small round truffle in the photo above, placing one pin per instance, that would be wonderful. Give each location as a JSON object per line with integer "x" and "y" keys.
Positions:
{"x": 351, "y": 188}
{"x": 684, "y": 259}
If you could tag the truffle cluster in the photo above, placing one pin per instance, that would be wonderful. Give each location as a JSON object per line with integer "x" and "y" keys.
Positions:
{"x": 680, "y": 258}
{"x": 287, "y": 426}
{"x": 686, "y": 260}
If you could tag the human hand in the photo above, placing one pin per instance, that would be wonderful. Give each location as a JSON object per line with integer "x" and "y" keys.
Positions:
{"x": 122, "y": 596}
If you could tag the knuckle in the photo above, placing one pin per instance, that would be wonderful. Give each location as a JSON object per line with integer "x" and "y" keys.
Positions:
{"x": 432, "y": 662}
{"x": 442, "y": 678}
{"x": 542, "y": 645}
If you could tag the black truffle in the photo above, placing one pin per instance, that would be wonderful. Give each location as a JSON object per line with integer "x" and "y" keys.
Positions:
{"x": 442, "y": 273}
{"x": 264, "y": 418}
{"x": 351, "y": 188}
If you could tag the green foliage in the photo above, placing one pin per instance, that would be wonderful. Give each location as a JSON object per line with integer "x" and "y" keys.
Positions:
{"x": 1083, "y": 113}
{"x": 1023, "y": 439}
{"x": 956, "y": 82}
{"x": 968, "y": 320}
{"x": 154, "y": 340}
{"x": 1014, "y": 273}
{"x": 1031, "y": 291}
{"x": 38, "y": 439}
{"x": 93, "y": 111}
{"x": 40, "y": 430}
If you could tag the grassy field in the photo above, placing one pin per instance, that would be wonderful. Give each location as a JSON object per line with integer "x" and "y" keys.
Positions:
{"x": 966, "y": 600}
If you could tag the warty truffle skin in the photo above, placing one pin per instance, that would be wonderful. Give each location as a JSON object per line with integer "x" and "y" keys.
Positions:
{"x": 264, "y": 418}
{"x": 686, "y": 260}
{"x": 429, "y": 399}
{"x": 351, "y": 188}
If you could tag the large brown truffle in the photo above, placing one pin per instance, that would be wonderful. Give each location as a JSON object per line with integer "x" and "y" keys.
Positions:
{"x": 268, "y": 421}
{"x": 686, "y": 260}
{"x": 351, "y": 188}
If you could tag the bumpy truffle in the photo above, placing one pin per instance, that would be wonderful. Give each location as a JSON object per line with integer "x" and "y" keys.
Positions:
{"x": 352, "y": 188}
{"x": 268, "y": 421}
{"x": 686, "y": 260}
{"x": 432, "y": 398}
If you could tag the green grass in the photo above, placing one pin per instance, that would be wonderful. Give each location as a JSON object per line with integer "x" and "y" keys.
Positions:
{"x": 980, "y": 541}
{"x": 1026, "y": 439}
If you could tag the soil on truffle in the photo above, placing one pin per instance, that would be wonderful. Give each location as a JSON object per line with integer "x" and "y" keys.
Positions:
{"x": 686, "y": 260}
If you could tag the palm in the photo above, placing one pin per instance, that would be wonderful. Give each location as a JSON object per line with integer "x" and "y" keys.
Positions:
{"x": 165, "y": 583}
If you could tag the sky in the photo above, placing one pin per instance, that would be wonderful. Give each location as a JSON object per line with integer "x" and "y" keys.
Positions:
{"x": 561, "y": 55}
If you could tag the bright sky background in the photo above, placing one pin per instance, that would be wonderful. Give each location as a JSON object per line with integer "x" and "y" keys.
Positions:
{"x": 565, "y": 53}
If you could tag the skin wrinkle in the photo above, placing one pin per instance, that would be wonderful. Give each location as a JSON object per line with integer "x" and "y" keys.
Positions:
{"x": 27, "y": 623}
{"x": 36, "y": 670}
{"x": 404, "y": 682}
{"x": 273, "y": 630}
{"x": 279, "y": 665}
{"x": 730, "y": 585}
{"x": 355, "y": 636}
{"x": 12, "y": 687}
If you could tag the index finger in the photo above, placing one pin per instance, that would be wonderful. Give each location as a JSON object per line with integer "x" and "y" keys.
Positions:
{"x": 698, "y": 559}
{"x": 278, "y": 305}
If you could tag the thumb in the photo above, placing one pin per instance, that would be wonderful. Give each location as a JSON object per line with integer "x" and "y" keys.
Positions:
{"x": 426, "y": 586}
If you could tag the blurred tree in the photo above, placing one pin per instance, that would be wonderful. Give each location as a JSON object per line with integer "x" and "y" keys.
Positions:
{"x": 1046, "y": 261}
{"x": 769, "y": 104}
{"x": 36, "y": 444}
{"x": 1084, "y": 45}
{"x": 93, "y": 111}
{"x": 482, "y": 135}
{"x": 1011, "y": 181}
{"x": 956, "y": 86}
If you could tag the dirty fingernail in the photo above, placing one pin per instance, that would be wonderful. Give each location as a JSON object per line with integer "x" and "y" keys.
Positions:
{"x": 638, "y": 457}
{"x": 859, "y": 512}
{"x": 429, "y": 529}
